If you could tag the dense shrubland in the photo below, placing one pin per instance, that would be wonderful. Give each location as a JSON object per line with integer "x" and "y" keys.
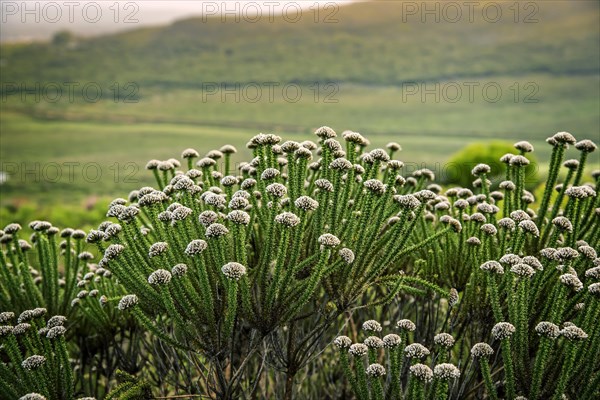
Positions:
{"x": 315, "y": 270}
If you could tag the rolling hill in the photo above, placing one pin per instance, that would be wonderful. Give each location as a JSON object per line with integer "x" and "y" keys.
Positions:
{"x": 373, "y": 42}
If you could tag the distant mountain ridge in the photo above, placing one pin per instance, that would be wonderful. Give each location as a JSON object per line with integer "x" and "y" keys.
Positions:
{"x": 377, "y": 43}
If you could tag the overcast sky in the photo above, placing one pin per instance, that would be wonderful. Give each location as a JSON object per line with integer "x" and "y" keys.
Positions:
{"x": 39, "y": 20}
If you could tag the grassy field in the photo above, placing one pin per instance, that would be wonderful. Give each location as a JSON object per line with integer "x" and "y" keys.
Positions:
{"x": 364, "y": 65}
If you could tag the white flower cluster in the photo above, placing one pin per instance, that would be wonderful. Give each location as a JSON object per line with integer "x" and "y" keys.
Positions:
{"x": 416, "y": 350}
{"x": 503, "y": 330}
{"x": 446, "y": 371}
{"x": 481, "y": 350}
{"x": 233, "y": 270}
{"x": 421, "y": 372}
{"x": 375, "y": 370}
{"x": 371, "y": 326}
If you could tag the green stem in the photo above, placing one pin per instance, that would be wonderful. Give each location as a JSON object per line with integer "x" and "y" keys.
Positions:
{"x": 487, "y": 378}
{"x": 509, "y": 374}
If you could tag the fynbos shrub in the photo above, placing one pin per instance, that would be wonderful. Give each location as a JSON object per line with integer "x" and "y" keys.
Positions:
{"x": 230, "y": 283}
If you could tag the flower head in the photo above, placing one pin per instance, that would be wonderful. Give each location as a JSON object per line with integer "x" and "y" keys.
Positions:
{"x": 547, "y": 329}
{"x": 392, "y": 340}
{"x": 548, "y": 253}
{"x": 233, "y": 270}
{"x": 32, "y": 396}
{"x": 487, "y": 208}
{"x": 375, "y": 186}
{"x": 28, "y": 315}
{"x": 216, "y": 200}
{"x": 306, "y": 203}
{"x": 585, "y": 146}
{"x": 593, "y": 273}
{"x": 40, "y": 226}
{"x": 564, "y": 138}
{"x": 573, "y": 333}
{"x": 446, "y": 371}
{"x": 113, "y": 251}
{"x": 481, "y": 350}
{"x": 503, "y": 330}
{"x": 342, "y": 342}
{"x": 507, "y": 223}
{"x": 57, "y": 320}
{"x": 325, "y": 132}
{"x": 375, "y": 370}
{"x": 393, "y": 146}
{"x": 489, "y": 229}
{"x": 588, "y": 251}
{"x": 324, "y": 184}
{"x": 239, "y": 217}
{"x": 157, "y": 249}
{"x": 374, "y": 342}
{"x": 371, "y": 326}
{"x": 522, "y": 270}
{"x": 6, "y": 316}
{"x": 474, "y": 241}
{"x": 533, "y": 262}
{"x": 216, "y": 230}
{"x": 21, "y": 328}
{"x": 493, "y": 267}
{"x": 128, "y": 301}
{"x": 276, "y": 190}
{"x": 287, "y": 219}
{"x": 159, "y": 277}
{"x": 529, "y": 227}
{"x": 355, "y": 137}
{"x": 33, "y": 362}
{"x": 524, "y": 146}
{"x": 519, "y": 161}
{"x": 329, "y": 240}
{"x": 5, "y": 330}
{"x": 189, "y": 153}
{"x": 341, "y": 164}
{"x": 571, "y": 281}
{"x": 566, "y": 254}
{"x": 406, "y": 325}
{"x": 480, "y": 169}
{"x": 358, "y": 350}
{"x": 248, "y": 183}
{"x": 56, "y": 332}
{"x": 444, "y": 340}
{"x": 416, "y": 350}
{"x": 195, "y": 247}
{"x": 519, "y": 215}
{"x": 269, "y": 173}
{"x": 208, "y": 217}
{"x": 421, "y": 372}
{"x": 408, "y": 201}
{"x": 303, "y": 153}
{"x": 12, "y": 228}
{"x": 347, "y": 255}
{"x": 228, "y": 149}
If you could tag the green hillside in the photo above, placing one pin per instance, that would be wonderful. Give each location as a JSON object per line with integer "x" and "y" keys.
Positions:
{"x": 371, "y": 43}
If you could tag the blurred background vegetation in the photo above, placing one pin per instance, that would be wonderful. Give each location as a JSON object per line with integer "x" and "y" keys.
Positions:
{"x": 355, "y": 68}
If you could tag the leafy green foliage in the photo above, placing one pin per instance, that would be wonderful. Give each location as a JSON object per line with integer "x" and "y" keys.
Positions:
{"x": 460, "y": 164}
{"x": 130, "y": 388}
